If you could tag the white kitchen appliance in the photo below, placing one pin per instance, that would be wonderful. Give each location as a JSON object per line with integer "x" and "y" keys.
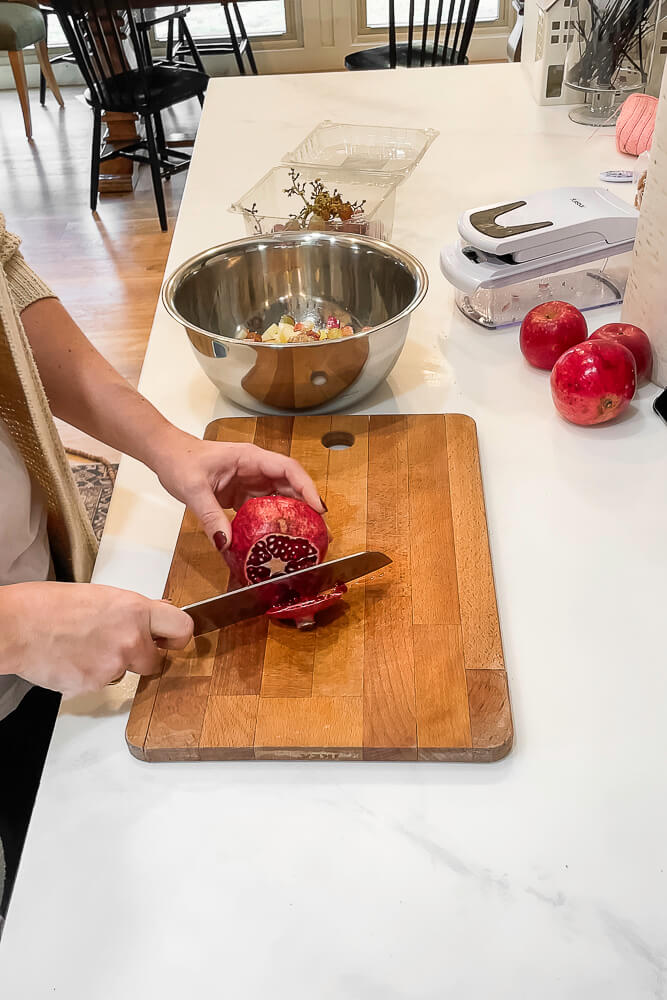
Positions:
{"x": 512, "y": 256}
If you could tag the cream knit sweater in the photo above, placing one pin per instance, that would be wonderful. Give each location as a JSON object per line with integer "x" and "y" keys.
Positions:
{"x": 24, "y": 285}
{"x": 25, "y": 410}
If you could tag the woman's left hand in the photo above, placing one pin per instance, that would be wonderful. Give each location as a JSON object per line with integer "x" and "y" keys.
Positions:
{"x": 208, "y": 476}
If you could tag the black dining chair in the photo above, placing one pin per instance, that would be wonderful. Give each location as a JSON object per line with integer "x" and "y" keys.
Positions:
{"x": 180, "y": 48}
{"x": 238, "y": 44}
{"x": 115, "y": 62}
{"x": 442, "y": 41}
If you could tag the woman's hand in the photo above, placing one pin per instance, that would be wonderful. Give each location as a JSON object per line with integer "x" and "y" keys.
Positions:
{"x": 76, "y": 638}
{"x": 210, "y": 475}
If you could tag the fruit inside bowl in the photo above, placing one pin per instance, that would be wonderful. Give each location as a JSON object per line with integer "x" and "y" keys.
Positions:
{"x": 307, "y": 331}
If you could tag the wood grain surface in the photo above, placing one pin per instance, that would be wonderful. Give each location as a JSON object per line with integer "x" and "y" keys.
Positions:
{"x": 409, "y": 667}
{"x": 106, "y": 268}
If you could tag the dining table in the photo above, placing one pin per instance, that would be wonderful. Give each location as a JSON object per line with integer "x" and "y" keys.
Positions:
{"x": 542, "y": 875}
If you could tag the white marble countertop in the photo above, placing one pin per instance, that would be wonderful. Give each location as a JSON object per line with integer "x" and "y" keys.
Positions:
{"x": 542, "y": 876}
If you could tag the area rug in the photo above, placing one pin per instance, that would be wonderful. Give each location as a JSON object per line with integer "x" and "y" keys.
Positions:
{"x": 95, "y": 481}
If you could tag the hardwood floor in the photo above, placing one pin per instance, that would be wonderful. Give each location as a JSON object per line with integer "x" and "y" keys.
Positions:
{"x": 106, "y": 269}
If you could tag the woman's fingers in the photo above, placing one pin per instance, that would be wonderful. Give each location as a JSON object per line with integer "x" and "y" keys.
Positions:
{"x": 300, "y": 481}
{"x": 204, "y": 503}
{"x": 291, "y": 479}
{"x": 171, "y": 626}
{"x": 145, "y": 657}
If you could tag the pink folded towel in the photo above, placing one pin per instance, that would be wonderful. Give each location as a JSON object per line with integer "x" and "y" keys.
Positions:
{"x": 635, "y": 124}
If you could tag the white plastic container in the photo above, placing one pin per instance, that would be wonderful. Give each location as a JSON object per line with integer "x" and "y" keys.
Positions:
{"x": 267, "y": 209}
{"x": 591, "y": 286}
{"x": 395, "y": 151}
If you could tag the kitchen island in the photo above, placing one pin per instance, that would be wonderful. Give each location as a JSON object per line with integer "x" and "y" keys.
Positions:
{"x": 542, "y": 876}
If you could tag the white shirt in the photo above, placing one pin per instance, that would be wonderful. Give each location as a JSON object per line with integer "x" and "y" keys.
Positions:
{"x": 24, "y": 545}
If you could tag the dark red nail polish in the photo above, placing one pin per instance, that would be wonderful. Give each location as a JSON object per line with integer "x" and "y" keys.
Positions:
{"x": 220, "y": 540}
{"x": 326, "y": 509}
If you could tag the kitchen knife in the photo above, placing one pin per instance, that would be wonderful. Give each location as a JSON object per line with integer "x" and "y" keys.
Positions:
{"x": 249, "y": 602}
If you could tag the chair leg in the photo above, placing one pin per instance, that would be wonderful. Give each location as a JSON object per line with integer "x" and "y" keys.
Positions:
{"x": 169, "y": 52}
{"x": 155, "y": 173}
{"x": 145, "y": 45}
{"x": 194, "y": 51}
{"x": 161, "y": 142}
{"x": 244, "y": 35}
{"x": 18, "y": 69}
{"x": 234, "y": 41}
{"x": 95, "y": 158}
{"x": 47, "y": 72}
{"x": 42, "y": 78}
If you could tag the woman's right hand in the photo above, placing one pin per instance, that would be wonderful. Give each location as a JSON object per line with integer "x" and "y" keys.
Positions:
{"x": 78, "y": 637}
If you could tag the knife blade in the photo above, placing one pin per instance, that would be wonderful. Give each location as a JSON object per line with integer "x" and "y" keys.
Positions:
{"x": 249, "y": 602}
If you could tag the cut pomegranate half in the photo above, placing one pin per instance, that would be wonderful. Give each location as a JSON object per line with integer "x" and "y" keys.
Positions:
{"x": 276, "y": 554}
{"x": 302, "y": 610}
{"x": 273, "y": 536}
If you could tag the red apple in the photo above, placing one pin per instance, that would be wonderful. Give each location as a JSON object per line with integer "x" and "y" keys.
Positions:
{"x": 635, "y": 340}
{"x": 594, "y": 382}
{"x": 549, "y": 330}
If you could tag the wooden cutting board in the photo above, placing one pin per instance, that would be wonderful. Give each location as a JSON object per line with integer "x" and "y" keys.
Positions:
{"x": 410, "y": 669}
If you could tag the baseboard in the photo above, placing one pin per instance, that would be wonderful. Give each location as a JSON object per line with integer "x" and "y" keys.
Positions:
{"x": 65, "y": 74}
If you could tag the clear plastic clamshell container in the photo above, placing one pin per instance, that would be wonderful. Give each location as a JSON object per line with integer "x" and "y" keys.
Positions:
{"x": 590, "y": 286}
{"x": 395, "y": 151}
{"x": 267, "y": 208}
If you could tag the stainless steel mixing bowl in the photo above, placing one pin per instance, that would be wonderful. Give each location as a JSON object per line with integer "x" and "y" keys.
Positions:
{"x": 251, "y": 283}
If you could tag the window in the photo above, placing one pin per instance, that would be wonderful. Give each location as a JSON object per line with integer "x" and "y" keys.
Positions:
{"x": 208, "y": 20}
{"x": 377, "y": 12}
{"x": 56, "y": 33}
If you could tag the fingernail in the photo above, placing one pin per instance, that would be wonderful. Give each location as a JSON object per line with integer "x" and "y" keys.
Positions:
{"x": 220, "y": 540}
{"x": 326, "y": 509}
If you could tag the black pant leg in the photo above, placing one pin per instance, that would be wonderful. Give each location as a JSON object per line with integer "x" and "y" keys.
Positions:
{"x": 25, "y": 736}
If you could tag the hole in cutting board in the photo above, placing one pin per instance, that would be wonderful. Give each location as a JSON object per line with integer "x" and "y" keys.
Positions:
{"x": 338, "y": 440}
{"x": 319, "y": 378}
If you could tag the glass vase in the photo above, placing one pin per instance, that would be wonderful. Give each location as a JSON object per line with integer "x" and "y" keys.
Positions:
{"x": 609, "y": 55}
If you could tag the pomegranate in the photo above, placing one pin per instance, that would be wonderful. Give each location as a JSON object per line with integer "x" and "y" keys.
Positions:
{"x": 302, "y": 610}
{"x": 635, "y": 340}
{"x": 548, "y": 330}
{"x": 593, "y": 382}
{"x": 275, "y": 535}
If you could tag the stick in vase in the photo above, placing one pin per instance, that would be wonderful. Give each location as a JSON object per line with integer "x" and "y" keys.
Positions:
{"x": 645, "y": 302}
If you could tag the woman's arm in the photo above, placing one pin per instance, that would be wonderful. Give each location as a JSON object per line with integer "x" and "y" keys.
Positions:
{"x": 84, "y": 390}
